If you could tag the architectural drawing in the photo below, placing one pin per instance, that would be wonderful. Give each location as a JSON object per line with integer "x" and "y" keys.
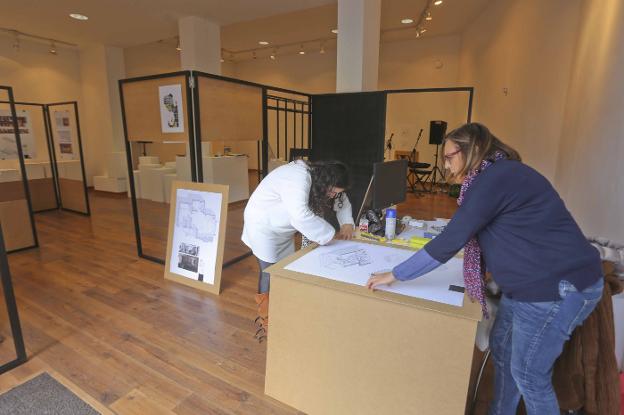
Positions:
{"x": 346, "y": 257}
{"x": 353, "y": 262}
{"x": 195, "y": 219}
{"x": 195, "y": 236}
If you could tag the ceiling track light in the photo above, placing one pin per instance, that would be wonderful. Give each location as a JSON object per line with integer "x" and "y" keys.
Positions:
{"x": 52, "y": 48}
{"x": 253, "y": 55}
{"x": 429, "y": 17}
{"x": 78, "y": 16}
{"x": 437, "y": 2}
{"x": 273, "y": 54}
{"x": 301, "y": 50}
{"x": 322, "y": 51}
{"x": 178, "y": 48}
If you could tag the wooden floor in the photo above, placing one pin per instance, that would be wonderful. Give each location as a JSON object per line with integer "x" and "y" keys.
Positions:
{"x": 108, "y": 323}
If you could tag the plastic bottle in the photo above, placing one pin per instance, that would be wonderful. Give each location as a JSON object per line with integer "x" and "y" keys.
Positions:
{"x": 391, "y": 223}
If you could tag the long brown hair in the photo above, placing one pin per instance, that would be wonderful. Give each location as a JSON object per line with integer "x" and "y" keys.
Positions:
{"x": 477, "y": 143}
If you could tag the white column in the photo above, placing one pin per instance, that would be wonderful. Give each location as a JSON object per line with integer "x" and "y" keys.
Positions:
{"x": 100, "y": 111}
{"x": 200, "y": 40}
{"x": 358, "y": 45}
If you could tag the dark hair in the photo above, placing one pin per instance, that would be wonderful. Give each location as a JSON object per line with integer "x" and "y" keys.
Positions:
{"x": 477, "y": 143}
{"x": 325, "y": 175}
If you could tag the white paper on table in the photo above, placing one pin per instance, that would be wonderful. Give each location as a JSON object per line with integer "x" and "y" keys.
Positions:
{"x": 353, "y": 262}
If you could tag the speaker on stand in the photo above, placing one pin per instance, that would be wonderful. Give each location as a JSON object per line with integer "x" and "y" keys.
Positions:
{"x": 437, "y": 131}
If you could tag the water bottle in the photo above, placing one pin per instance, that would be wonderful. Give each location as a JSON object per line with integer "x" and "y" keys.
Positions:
{"x": 390, "y": 223}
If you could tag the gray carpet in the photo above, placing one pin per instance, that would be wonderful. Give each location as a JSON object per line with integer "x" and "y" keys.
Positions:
{"x": 43, "y": 395}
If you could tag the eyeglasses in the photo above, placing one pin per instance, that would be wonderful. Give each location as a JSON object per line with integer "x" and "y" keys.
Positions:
{"x": 448, "y": 157}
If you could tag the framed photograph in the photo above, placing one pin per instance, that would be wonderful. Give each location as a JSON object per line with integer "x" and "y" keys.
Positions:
{"x": 171, "y": 108}
{"x": 197, "y": 220}
{"x": 8, "y": 146}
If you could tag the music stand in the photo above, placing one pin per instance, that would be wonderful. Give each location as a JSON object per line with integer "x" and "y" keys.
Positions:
{"x": 436, "y": 169}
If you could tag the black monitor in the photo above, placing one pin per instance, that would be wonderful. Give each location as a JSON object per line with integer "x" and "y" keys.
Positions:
{"x": 389, "y": 183}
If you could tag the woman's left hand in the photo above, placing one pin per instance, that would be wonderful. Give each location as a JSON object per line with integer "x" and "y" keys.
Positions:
{"x": 382, "y": 278}
{"x": 346, "y": 232}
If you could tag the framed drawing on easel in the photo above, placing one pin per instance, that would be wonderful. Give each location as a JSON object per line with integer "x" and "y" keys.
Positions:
{"x": 197, "y": 220}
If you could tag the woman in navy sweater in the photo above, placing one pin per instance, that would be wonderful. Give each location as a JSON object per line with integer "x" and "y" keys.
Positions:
{"x": 512, "y": 222}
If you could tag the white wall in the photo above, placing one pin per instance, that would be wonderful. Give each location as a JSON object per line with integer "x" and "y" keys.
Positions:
{"x": 39, "y": 76}
{"x": 406, "y": 64}
{"x": 590, "y": 173}
{"x": 418, "y": 63}
{"x": 527, "y": 47}
{"x": 313, "y": 73}
{"x": 102, "y": 132}
{"x": 151, "y": 59}
{"x": 421, "y": 63}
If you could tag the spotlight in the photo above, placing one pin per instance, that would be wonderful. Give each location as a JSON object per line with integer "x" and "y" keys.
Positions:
{"x": 78, "y": 16}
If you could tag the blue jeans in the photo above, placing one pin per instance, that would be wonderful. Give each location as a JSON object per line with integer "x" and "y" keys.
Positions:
{"x": 526, "y": 340}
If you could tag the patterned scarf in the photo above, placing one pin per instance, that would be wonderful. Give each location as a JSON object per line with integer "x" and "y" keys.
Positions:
{"x": 473, "y": 260}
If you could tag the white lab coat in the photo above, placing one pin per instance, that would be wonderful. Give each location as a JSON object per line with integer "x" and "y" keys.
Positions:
{"x": 279, "y": 207}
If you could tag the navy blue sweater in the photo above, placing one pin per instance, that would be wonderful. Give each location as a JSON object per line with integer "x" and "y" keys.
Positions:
{"x": 529, "y": 240}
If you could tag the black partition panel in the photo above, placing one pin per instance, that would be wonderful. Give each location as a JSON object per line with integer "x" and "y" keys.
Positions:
{"x": 38, "y": 159}
{"x": 12, "y": 317}
{"x": 67, "y": 156}
{"x": 350, "y": 128}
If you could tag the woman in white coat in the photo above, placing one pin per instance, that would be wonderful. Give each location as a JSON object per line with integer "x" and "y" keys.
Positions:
{"x": 294, "y": 197}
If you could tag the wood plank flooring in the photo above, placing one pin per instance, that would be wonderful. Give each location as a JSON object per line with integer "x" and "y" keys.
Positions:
{"x": 109, "y": 323}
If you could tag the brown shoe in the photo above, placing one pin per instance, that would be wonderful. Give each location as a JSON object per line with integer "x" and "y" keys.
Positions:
{"x": 262, "y": 321}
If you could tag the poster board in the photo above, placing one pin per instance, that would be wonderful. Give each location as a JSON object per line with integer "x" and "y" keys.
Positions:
{"x": 62, "y": 127}
{"x": 196, "y": 237}
{"x": 142, "y": 108}
{"x": 8, "y": 146}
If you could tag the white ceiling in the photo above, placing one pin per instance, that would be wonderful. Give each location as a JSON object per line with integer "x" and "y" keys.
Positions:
{"x": 126, "y": 23}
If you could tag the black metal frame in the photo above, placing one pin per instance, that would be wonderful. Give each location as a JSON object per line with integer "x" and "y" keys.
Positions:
{"x": 468, "y": 89}
{"x": 306, "y": 109}
{"x": 48, "y": 143}
{"x": 194, "y": 136}
{"x": 263, "y": 154}
{"x": 9, "y": 298}
{"x": 194, "y": 132}
{"x": 20, "y": 153}
{"x": 82, "y": 166}
{"x": 191, "y": 132}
